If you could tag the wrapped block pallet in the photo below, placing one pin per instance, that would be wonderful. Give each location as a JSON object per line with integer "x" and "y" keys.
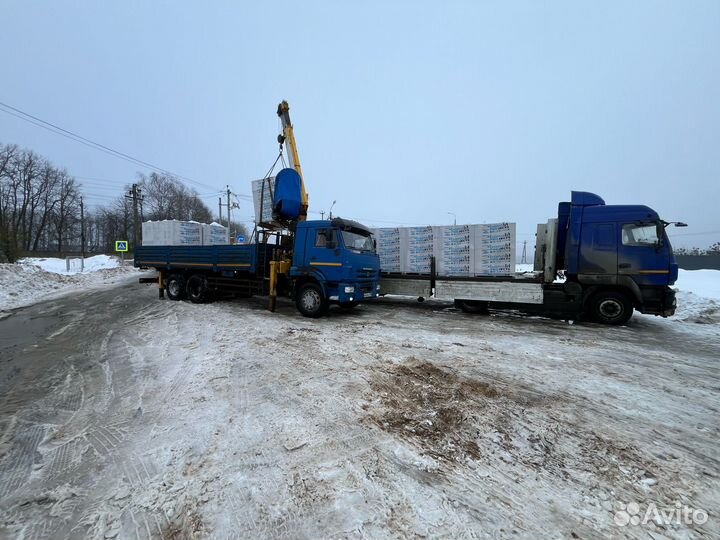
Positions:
{"x": 183, "y": 233}
{"x": 494, "y": 249}
{"x": 453, "y": 250}
{"x": 459, "y": 250}
{"x": 416, "y": 250}
{"x": 215, "y": 234}
{"x": 388, "y": 248}
{"x": 172, "y": 233}
{"x": 263, "y": 191}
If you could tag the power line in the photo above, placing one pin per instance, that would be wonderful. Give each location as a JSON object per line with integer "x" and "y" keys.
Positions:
{"x": 22, "y": 115}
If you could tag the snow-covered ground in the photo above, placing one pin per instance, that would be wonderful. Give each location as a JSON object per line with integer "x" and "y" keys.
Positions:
{"x": 35, "y": 279}
{"x": 698, "y": 296}
{"x": 122, "y": 416}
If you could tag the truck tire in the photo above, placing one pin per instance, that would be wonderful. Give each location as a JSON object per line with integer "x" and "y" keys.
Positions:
{"x": 176, "y": 287}
{"x": 197, "y": 289}
{"x": 311, "y": 301}
{"x": 472, "y": 306}
{"x": 611, "y": 307}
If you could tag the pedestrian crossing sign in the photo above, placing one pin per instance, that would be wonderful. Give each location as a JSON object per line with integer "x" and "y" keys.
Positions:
{"x": 121, "y": 245}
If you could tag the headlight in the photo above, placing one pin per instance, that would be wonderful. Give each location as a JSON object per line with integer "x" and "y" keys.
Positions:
{"x": 378, "y": 286}
{"x": 349, "y": 289}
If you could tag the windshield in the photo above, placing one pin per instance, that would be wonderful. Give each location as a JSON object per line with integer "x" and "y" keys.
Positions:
{"x": 640, "y": 235}
{"x": 359, "y": 242}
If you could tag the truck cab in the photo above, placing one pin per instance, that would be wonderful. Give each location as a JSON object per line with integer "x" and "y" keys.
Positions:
{"x": 619, "y": 255}
{"x": 334, "y": 262}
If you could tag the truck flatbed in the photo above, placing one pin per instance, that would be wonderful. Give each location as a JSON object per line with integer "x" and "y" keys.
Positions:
{"x": 249, "y": 258}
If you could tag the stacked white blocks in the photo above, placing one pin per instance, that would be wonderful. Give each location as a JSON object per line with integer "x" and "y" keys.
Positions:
{"x": 459, "y": 250}
{"x": 183, "y": 233}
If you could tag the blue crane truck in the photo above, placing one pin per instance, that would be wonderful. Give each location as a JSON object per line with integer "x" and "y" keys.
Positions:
{"x": 614, "y": 258}
{"x": 316, "y": 263}
{"x": 320, "y": 263}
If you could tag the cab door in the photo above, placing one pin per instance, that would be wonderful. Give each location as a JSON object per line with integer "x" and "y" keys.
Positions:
{"x": 324, "y": 253}
{"x": 643, "y": 253}
{"x": 598, "y": 251}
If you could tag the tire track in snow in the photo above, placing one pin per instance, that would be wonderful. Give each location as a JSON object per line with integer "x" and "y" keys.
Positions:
{"x": 16, "y": 464}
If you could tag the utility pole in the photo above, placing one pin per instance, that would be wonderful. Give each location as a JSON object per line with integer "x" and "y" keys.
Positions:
{"x": 220, "y": 210}
{"x": 135, "y": 195}
{"x": 82, "y": 235}
{"x": 228, "y": 206}
{"x": 524, "y": 253}
{"x": 322, "y": 214}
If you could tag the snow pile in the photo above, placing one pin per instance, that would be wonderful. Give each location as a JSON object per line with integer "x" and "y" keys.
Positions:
{"x": 59, "y": 266}
{"x": 698, "y": 296}
{"x": 36, "y": 279}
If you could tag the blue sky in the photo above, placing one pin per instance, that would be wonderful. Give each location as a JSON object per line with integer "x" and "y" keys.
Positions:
{"x": 404, "y": 111}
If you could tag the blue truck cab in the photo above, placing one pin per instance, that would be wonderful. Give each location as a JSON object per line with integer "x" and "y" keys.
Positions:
{"x": 619, "y": 256}
{"x": 334, "y": 261}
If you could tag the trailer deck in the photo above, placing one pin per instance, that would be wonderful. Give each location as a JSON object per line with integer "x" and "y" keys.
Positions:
{"x": 250, "y": 258}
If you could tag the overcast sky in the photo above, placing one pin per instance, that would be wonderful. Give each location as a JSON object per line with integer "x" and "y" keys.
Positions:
{"x": 404, "y": 111}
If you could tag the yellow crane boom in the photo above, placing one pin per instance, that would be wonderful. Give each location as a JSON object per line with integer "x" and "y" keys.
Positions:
{"x": 288, "y": 137}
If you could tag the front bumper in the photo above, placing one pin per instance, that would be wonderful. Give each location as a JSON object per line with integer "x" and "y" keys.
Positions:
{"x": 659, "y": 301}
{"x": 353, "y": 292}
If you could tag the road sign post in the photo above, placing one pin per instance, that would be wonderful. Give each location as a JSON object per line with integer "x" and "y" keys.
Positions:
{"x": 122, "y": 247}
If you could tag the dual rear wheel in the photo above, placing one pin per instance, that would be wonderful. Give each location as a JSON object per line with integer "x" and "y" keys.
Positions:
{"x": 194, "y": 288}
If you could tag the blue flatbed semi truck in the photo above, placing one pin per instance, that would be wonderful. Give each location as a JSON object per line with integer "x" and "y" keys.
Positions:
{"x": 328, "y": 262}
{"x": 614, "y": 259}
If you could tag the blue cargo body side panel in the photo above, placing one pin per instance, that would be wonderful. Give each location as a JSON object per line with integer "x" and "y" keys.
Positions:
{"x": 245, "y": 258}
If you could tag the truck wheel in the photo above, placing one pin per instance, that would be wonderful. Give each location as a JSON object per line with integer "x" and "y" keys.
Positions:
{"x": 472, "y": 306}
{"x": 611, "y": 307}
{"x": 175, "y": 287}
{"x": 197, "y": 289}
{"x": 311, "y": 301}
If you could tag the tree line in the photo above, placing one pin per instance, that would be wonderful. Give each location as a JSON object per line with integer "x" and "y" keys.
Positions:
{"x": 41, "y": 207}
{"x": 712, "y": 250}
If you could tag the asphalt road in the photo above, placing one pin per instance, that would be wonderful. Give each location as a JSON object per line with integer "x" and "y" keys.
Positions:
{"x": 60, "y": 413}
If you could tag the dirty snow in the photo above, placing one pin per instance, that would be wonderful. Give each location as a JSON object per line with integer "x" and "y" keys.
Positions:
{"x": 38, "y": 279}
{"x": 172, "y": 420}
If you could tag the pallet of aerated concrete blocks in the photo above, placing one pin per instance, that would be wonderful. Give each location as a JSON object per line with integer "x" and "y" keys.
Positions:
{"x": 459, "y": 250}
{"x": 173, "y": 232}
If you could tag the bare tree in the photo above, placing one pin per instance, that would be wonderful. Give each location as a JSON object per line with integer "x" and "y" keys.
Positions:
{"x": 168, "y": 198}
{"x": 39, "y": 207}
